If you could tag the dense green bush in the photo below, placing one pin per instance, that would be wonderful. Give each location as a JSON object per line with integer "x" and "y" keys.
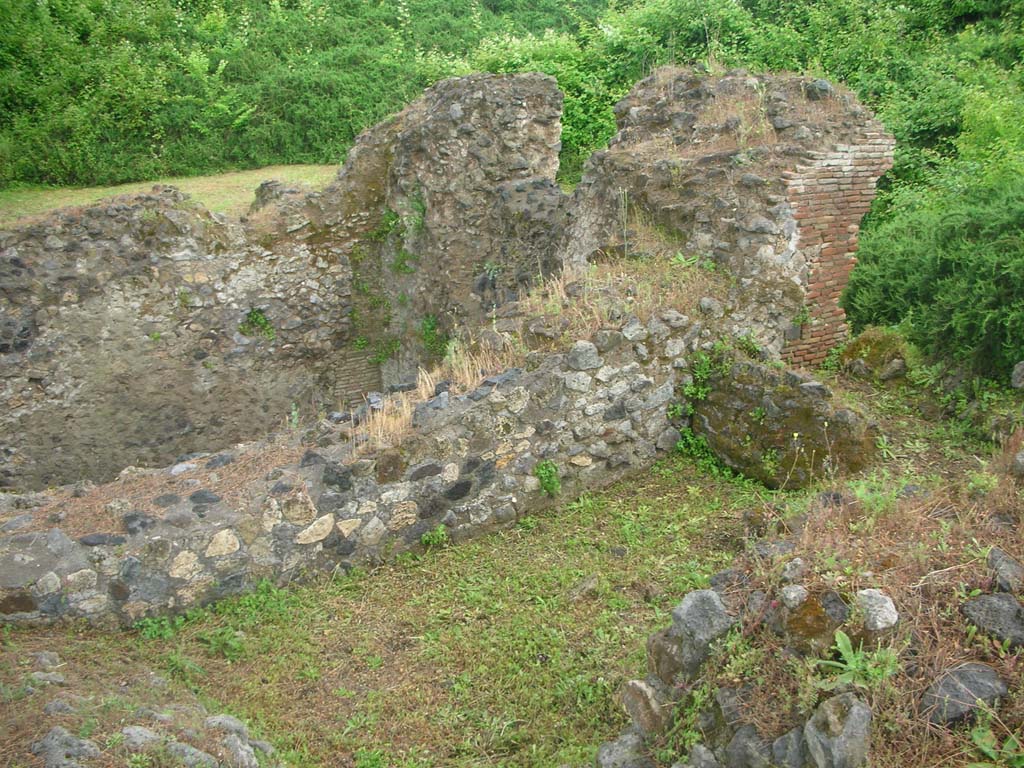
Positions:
{"x": 107, "y": 91}
{"x": 947, "y": 261}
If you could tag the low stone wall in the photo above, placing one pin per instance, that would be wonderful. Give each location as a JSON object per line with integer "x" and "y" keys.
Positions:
{"x": 160, "y": 541}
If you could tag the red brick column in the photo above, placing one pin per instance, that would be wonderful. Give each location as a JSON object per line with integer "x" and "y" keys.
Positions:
{"x": 830, "y": 195}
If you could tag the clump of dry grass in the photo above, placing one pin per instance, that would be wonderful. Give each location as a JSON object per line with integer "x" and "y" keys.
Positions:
{"x": 661, "y": 278}
{"x": 463, "y": 368}
{"x": 387, "y": 427}
{"x": 467, "y": 363}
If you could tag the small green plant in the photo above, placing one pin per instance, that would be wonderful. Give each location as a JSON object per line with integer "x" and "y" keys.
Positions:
{"x": 859, "y": 668}
{"x": 293, "y": 417}
{"x": 759, "y": 414}
{"x": 88, "y": 728}
{"x": 404, "y": 263}
{"x": 361, "y": 342}
{"x": 981, "y": 483}
{"x": 310, "y": 672}
{"x": 438, "y": 537}
{"x": 184, "y": 298}
{"x": 546, "y": 472}
{"x": 114, "y": 740}
{"x": 833, "y": 359}
{"x": 159, "y": 627}
{"x": 385, "y": 351}
{"x": 388, "y": 223}
{"x": 701, "y": 371}
{"x": 678, "y": 411}
{"x": 770, "y": 461}
{"x": 748, "y": 345}
{"x": 685, "y": 261}
{"x": 256, "y": 323}
{"x": 696, "y": 447}
{"x": 803, "y": 316}
{"x": 419, "y": 213}
{"x": 140, "y": 760}
{"x": 370, "y": 758}
{"x": 435, "y": 341}
{"x": 225, "y": 642}
{"x": 1008, "y": 753}
{"x": 155, "y": 336}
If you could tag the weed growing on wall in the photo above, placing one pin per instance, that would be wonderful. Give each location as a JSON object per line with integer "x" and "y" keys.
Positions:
{"x": 546, "y": 472}
{"x": 256, "y": 323}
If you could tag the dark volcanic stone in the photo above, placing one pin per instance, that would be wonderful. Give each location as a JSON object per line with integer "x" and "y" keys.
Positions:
{"x": 204, "y": 497}
{"x": 338, "y": 477}
{"x": 220, "y": 460}
{"x": 101, "y": 539}
{"x": 136, "y": 522}
{"x": 1008, "y": 571}
{"x": 458, "y": 491}
{"x": 953, "y": 695}
{"x": 167, "y": 500}
{"x": 998, "y": 615}
{"x": 425, "y": 470}
{"x": 312, "y": 458}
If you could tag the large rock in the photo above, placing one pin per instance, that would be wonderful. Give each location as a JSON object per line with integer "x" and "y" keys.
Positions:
{"x": 1008, "y": 571}
{"x": 779, "y": 427}
{"x": 699, "y": 620}
{"x": 1000, "y": 616}
{"x": 649, "y": 711}
{"x": 838, "y": 734}
{"x": 59, "y": 748}
{"x": 627, "y": 751}
{"x": 878, "y": 609}
{"x": 954, "y": 695}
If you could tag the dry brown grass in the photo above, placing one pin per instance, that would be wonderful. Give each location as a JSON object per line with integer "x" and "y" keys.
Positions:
{"x": 616, "y": 287}
{"x": 463, "y": 368}
{"x": 386, "y": 428}
{"x": 99, "y": 509}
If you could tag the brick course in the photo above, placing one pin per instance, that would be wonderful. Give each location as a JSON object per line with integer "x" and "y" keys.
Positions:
{"x": 830, "y": 195}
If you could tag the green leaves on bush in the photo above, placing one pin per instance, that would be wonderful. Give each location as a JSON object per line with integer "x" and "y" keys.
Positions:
{"x": 949, "y": 266}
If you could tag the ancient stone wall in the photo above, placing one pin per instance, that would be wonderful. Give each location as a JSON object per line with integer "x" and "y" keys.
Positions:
{"x": 157, "y": 541}
{"x": 146, "y": 328}
{"x": 830, "y": 195}
{"x": 762, "y": 175}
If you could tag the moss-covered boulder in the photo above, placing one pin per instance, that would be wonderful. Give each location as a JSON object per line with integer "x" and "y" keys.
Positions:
{"x": 779, "y": 427}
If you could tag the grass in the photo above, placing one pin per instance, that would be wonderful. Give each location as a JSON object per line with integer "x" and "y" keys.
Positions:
{"x": 227, "y": 193}
{"x": 501, "y": 651}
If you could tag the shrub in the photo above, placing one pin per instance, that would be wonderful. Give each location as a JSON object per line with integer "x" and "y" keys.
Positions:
{"x": 949, "y": 266}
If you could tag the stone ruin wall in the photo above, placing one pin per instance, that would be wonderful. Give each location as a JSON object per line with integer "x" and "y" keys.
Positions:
{"x": 767, "y": 176}
{"x": 830, "y": 195}
{"x": 156, "y": 541}
{"x": 123, "y": 327}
